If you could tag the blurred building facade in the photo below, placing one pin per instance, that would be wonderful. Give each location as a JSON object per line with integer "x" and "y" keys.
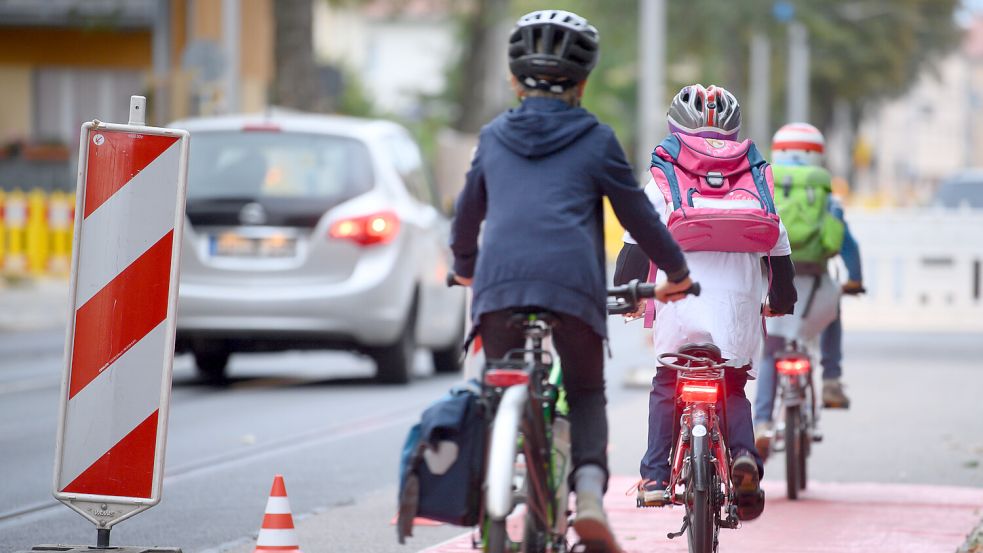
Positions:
{"x": 63, "y": 62}
{"x": 906, "y": 146}
{"x": 399, "y": 50}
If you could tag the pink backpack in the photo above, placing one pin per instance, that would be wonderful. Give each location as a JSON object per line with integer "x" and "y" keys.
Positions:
{"x": 721, "y": 192}
{"x": 722, "y": 197}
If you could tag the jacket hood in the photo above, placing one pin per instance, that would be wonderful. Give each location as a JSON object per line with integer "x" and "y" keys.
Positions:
{"x": 541, "y": 126}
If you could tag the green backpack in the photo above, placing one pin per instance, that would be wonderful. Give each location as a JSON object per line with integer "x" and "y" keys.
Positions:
{"x": 802, "y": 198}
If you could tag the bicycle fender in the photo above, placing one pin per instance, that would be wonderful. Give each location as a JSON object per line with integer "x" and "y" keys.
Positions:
{"x": 502, "y": 451}
{"x": 700, "y": 459}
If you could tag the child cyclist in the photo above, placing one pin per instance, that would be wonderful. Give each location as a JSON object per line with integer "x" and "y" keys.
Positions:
{"x": 536, "y": 181}
{"x": 735, "y": 282}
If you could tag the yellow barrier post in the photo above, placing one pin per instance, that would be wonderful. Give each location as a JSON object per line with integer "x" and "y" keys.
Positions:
{"x": 60, "y": 225}
{"x": 15, "y": 215}
{"x": 37, "y": 232}
{"x": 3, "y": 227}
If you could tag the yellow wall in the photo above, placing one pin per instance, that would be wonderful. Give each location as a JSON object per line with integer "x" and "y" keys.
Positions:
{"x": 75, "y": 47}
{"x": 17, "y": 105}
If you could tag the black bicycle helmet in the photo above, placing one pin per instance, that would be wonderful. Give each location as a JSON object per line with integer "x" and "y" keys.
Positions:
{"x": 552, "y": 48}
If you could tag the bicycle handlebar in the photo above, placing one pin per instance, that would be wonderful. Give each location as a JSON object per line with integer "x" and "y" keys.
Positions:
{"x": 628, "y": 295}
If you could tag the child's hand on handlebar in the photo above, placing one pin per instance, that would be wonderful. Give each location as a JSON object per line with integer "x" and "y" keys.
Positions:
{"x": 463, "y": 281}
{"x": 673, "y": 291}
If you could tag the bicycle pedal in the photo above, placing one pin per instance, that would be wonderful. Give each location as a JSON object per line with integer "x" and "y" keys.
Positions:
{"x": 817, "y": 436}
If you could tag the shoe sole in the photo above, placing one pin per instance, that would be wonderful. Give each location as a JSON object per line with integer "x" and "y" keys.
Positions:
{"x": 596, "y": 533}
{"x": 836, "y": 405}
{"x": 763, "y": 445}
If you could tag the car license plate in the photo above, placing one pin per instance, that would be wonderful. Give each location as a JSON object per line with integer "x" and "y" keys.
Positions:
{"x": 231, "y": 244}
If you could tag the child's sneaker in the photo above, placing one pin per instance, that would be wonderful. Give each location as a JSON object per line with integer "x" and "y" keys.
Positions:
{"x": 747, "y": 487}
{"x": 833, "y": 395}
{"x": 763, "y": 432}
{"x": 591, "y": 525}
{"x": 649, "y": 493}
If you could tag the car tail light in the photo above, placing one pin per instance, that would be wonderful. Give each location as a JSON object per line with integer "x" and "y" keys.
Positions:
{"x": 699, "y": 392}
{"x": 793, "y": 365}
{"x": 377, "y": 228}
{"x": 503, "y": 378}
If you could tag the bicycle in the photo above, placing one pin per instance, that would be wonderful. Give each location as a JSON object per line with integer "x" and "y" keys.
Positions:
{"x": 699, "y": 456}
{"x": 522, "y": 392}
{"x": 797, "y": 418}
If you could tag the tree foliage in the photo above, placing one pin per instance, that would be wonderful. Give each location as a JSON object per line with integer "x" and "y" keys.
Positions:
{"x": 863, "y": 51}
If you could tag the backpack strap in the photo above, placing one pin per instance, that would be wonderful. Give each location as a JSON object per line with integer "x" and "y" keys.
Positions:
{"x": 758, "y": 170}
{"x": 671, "y": 146}
{"x": 650, "y": 303}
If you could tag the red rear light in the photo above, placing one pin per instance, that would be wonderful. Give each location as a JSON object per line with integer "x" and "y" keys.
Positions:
{"x": 503, "y": 378}
{"x": 378, "y": 228}
{"x": 793, "y": 365}
{"x": 699, "y": 392}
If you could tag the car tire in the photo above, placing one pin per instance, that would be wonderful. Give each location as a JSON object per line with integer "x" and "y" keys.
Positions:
{"x": 211, "y": 363}
{"x": 448, "y": 360}
{"x": 394, "y": 363}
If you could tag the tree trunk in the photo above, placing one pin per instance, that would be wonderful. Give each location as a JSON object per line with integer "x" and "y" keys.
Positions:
{"x": 295, "y": 84}
{"x": 481, "y": 70}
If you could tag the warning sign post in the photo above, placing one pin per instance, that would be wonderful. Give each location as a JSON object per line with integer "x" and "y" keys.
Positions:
{"x": 109, "y": 459}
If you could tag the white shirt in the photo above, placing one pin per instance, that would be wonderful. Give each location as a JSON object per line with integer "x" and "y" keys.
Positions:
{"x": 728, "y": 310}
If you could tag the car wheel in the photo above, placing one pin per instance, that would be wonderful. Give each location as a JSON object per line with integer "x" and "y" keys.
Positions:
{"x": 211, "y": 363}
{"x": 448, "y": 360}
{"x": 394, "y": 363}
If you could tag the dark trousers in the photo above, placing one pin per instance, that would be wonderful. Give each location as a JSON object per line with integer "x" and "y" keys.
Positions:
{"x": 581, "y": 352}
{"x": 663, "y": 417}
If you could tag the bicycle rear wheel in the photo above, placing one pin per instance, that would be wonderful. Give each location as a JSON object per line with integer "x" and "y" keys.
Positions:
{"x": 700, "y": 504}
{"x": 793, "y": 450}
{"x": 497, "y": 540}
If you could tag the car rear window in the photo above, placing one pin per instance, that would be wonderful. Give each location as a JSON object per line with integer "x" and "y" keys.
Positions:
{"x": 256, "y": 165}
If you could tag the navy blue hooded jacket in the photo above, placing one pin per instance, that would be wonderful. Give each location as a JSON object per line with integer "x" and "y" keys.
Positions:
{"x": 537, "y": 180}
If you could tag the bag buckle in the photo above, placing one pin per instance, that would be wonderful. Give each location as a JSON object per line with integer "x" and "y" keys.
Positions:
{"x": 715, "y": 179}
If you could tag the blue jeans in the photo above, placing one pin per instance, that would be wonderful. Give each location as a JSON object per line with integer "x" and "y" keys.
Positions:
{"x": 831, "y": 349}
{"x": 663, "y": 417}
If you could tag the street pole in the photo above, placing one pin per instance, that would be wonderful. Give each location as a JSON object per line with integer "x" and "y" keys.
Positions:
{"x": 162, "y": 62}
{"x": 231, "y": 20}
{"x": 798, "y": 72}
{"x": 759, "y": 119}
{"x": 651, "y": 79}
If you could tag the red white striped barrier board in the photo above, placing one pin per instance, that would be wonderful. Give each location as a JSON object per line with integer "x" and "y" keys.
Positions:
{"x": 120, "y": 344}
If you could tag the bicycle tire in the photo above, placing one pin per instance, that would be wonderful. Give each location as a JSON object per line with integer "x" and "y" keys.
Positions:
{"x": 497, "y": 540}
{"x": 793, "y": 450}
{"x": 804, "y": 440}
{"x": 535, "y": 530}
{"x": 700, "y": 507}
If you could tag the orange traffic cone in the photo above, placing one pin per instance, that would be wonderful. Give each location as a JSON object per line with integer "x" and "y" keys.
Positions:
{"x": 277, "y": 533}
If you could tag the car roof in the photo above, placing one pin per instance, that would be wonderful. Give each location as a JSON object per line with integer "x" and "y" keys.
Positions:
{"x": 292, "y": 121}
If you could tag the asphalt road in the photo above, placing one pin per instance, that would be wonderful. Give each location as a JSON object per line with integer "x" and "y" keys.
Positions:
{"x": 317, "y": 419}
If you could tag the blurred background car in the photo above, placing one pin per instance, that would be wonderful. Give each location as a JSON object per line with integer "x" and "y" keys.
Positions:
{"x": 313, "y": 232}
{"x": 964, "y": 188}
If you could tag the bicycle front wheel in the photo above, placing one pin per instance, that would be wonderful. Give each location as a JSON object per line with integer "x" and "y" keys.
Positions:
{"x": 793, "y": 450}
{"x": 700, "y": 504}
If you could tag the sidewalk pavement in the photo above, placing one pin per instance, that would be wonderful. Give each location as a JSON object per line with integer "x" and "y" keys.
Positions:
{"x": 40, "y": 304}
{"x": 845, "y": 518}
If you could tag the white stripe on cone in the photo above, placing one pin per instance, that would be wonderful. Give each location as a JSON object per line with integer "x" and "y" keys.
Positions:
{"x": 277, "y": 506}
{"x": 278, "y": 537}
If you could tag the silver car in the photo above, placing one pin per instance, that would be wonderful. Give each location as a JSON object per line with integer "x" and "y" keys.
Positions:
{"x": 313, "y": 232}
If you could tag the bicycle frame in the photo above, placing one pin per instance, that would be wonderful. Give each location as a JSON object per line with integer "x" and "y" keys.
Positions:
{"x": 796, "y": 414}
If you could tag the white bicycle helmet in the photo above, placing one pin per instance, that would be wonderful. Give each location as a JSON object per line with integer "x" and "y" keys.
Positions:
{"x": 710, "y": 112}
{"x": 798, "y": 144}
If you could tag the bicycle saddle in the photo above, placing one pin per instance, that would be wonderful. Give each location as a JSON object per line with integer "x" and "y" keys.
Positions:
{"x": 705, "y": 349}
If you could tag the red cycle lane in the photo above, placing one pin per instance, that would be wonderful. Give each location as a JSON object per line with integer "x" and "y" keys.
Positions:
{"x": 828, "y": 517}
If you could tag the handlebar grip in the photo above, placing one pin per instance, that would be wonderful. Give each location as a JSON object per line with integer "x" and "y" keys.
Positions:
{"x": 695, "y": 289}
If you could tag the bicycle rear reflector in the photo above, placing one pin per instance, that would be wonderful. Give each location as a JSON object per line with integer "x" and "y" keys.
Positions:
{"x": 793, "y": 365}
{"x": 503, "y": 378}
{"x": 702, "y": 392}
